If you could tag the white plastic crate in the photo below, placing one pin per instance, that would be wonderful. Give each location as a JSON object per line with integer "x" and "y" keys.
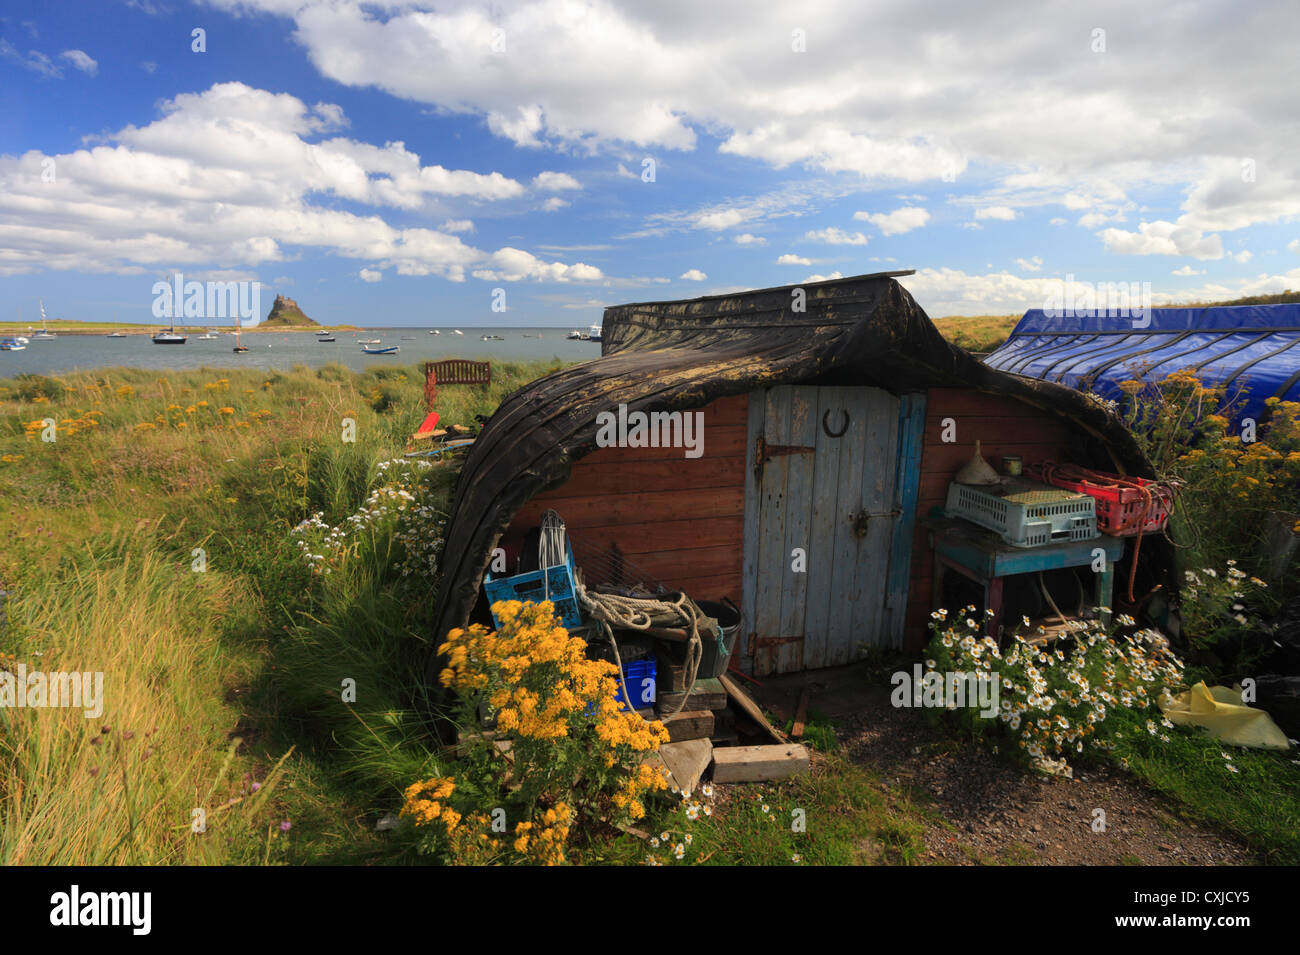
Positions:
{"x": 1025, "y": 513}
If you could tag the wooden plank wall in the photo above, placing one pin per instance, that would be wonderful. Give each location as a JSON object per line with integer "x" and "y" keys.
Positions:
{"x": 679, "y": 520}
{"x": 1002, "y": 426}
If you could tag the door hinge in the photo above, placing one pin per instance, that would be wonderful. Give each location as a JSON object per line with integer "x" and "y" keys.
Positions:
{"x": 755, "y": 641}
{"x": 764, "y": 452}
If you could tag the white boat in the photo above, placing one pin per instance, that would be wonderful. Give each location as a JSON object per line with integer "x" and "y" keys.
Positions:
{"x": 11, "y": 344}
{"x": 390, "y": 350}
{"x": 434, "y": 331}
{"x": 323, "y": 332}
{"x": 115, "y": 335}
{"x": 367, "y": 341}
{"x": 208, "y": 337}
{"x": 574, "y": 336}
{"x": 457, "y": 331}
{"x": 44, "y": 335}
{"x": 594, "y": 334}
{"x": 169, "y": 337}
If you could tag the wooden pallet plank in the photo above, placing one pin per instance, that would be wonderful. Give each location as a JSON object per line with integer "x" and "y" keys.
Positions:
{"x": 754, "y": 764}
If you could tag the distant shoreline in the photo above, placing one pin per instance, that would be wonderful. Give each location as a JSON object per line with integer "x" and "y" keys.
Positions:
{"x": 87, "y": 328}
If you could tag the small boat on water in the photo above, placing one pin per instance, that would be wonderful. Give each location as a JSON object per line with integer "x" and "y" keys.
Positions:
{"x": 239, "y": 342}
{"x": 326, "y": 338}
{"x": 169, "y": 337}
{"x": 115, "y": 335}
{"x": 594, "y": 334}
{"x": 493, "y": 338}
{"x": 457, "y": 331}
{"x": 368, "y": 341}
{"x": 574, "y": 336}
{"x": 11, "y": 344}
{"x": 434, "y": 331}
{"x": 390, "y": 350}
{"x": 323, "y": 332}
{"x": 208, "y": 337}
{"x": 44, "y": 335}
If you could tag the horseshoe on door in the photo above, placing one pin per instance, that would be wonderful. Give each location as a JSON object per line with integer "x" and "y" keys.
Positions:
{"x": 826, "y": 423}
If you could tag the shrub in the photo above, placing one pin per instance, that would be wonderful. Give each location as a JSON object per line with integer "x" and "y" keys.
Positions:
{"x": 574, "y": 757}
{"x": 1054, "y": 701}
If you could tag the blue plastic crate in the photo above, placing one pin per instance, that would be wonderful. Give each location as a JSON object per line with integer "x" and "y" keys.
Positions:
{"x": 554, "y": 584}
{"x": 640, "y": 677}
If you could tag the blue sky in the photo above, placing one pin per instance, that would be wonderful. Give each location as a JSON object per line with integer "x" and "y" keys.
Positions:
{"x": 395, "y": 162}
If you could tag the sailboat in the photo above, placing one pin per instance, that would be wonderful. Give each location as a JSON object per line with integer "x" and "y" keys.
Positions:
{"x": 170, "y": 336}
{"x": 44, "y": 334}
{"x": 239, "y": 343}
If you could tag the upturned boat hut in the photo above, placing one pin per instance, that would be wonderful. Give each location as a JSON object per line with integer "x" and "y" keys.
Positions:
{"x": 825, "y": 419}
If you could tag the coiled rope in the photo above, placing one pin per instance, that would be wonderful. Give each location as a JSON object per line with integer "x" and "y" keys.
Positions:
{"x": 612, "y": 611}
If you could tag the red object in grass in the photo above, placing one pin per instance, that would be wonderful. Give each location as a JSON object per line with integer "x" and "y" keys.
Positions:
{"x": 429, "y": 426}
{"x": 1126, "y": 506}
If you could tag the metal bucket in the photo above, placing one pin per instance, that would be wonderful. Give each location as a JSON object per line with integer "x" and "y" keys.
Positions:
{"x": 718, "y": 650}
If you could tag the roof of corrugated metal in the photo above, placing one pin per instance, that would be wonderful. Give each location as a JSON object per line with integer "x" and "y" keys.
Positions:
{"x": 1252, "y": 350}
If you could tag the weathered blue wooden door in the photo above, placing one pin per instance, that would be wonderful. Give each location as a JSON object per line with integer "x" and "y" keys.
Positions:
{"x": 829, "y": 507}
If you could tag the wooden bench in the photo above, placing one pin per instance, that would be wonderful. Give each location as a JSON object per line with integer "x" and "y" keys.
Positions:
{"x": 454, "y": 371}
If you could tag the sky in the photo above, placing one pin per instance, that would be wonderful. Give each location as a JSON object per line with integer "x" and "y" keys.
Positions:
{"x": 398, "y": 163}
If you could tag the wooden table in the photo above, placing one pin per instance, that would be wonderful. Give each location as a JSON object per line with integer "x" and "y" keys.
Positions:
{"x": 987, "y": 559}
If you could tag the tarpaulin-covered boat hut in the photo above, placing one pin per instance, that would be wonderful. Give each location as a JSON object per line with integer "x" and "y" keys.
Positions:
{"x": 832, "y": 415}
{"x": 1251, "y": 351}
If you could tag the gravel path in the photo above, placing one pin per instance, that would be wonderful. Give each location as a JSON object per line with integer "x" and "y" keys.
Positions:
{"x": 995, "y": 813}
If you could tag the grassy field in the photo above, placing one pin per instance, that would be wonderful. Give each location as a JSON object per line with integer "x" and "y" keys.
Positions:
{"x": 981, "y": 333}
{"x": 151, "y": 541}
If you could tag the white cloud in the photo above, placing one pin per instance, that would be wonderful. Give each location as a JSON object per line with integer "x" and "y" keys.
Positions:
{"x": 975, "y": 226}
{"x": 457, "y": 225}
{"x": 149, "y": 66}
{"x": 369, "y": 275}
{"x": 1001, "y": 213}
{"x": 1032, "y": 264}
{"x": 555, "y": 181}
{"x": 1186, "y": 270}
{"x": 554, "y": 204}
{"x": 720, "y": 220}
{"x": 834, "y": 236}
{"x": 1056, "y": 220}
{"x": 894, "y": 223}
{"x": 694, "y": 275}
{"x": 1294, "y": 246}
{"x": 791, "y": 259}
{"x": 748, "y": 238}
{"x": 1243, "y": 256}
{"x": 230, "y": 176}
{"x": 947, "y": 291}
{"x": 33, "y": 60}
{"x": 516, "y": 265}
{"x": 611, "y": 77}
{"x": 81, "y": 60}
{"x": 1163, "y": 238}
{"x": 824, "y": 278}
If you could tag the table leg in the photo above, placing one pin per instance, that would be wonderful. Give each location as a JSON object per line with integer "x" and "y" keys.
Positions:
{"x": 1105, "y": 588}
{"x": 993, "y": 600}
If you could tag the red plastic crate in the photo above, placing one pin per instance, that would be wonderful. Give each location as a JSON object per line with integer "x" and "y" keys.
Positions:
{"x": 1120, "y": 509}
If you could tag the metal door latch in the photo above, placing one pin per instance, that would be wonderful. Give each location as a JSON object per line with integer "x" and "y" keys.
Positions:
{"x": 861, "y": 520}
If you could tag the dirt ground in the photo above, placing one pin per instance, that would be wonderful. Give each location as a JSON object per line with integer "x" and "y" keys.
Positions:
{"x": 995, "y": 813}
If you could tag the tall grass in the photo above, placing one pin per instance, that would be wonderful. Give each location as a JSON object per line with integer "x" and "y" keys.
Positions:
{"x": 123, "y": 787}
{"x": 227, "y": 677}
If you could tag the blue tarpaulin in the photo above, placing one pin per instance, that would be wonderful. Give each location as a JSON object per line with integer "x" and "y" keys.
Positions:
{"x": 1253, "y": 351}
